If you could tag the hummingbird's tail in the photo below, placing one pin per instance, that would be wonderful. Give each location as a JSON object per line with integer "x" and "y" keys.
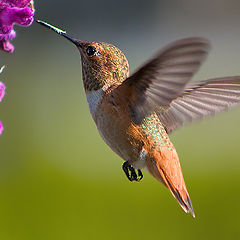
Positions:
{"x": 165, "y": 167}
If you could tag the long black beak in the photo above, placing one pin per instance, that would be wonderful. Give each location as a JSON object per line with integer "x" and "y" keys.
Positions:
{"x": 60, "y": 32}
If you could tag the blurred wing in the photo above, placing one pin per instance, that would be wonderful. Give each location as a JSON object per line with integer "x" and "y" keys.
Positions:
{"x": 201, "y": 99}
{"x": 157, "y": 83}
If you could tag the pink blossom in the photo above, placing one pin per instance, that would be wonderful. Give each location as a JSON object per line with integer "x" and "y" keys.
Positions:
{"x": 2, "y": 91}
{"x": 1, "y": 128}
{"x": 12, "y": 12}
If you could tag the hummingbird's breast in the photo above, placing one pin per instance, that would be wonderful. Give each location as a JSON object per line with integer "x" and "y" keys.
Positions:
{"x": 112, "y": 115}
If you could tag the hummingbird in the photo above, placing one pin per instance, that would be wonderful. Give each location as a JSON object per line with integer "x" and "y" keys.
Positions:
{"x": 135, "y": 114}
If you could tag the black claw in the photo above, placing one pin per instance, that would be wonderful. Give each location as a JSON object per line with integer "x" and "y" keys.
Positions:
{"x": 131, "y": 173}
{"x": 126, "y": 169}
{"x": 140, "y": 175}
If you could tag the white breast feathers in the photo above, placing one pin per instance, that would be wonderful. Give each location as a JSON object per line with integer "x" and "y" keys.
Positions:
{"x": 94, "y": 98}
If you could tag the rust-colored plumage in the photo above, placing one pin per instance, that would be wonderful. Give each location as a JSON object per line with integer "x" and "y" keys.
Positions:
{"x": 134, "y": 114}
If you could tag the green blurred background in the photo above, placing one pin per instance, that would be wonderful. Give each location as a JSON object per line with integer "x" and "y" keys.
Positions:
{"x": 58, "y": 179}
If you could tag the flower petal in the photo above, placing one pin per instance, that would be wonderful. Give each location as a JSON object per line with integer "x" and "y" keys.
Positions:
{"x": 1, "y": 128}
{"x": 9, "y": 36}
{"x": 17, "y": 3}
{"x": 6, "y": 46}
{"x": 2, "y": 90}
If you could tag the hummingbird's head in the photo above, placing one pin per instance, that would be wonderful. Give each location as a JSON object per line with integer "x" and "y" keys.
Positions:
{"x": 103, "y": 64}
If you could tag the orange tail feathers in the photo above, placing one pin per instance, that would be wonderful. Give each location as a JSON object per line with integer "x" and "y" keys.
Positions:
{"x": 165, "y": 167}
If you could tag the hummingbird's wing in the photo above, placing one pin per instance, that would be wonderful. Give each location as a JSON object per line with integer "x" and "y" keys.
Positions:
{"x": 158, "y": 82}
{"x": 201, "y": 99}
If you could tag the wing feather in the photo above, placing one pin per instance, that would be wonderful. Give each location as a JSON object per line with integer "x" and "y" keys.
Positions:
{"x": 201, "y": 99}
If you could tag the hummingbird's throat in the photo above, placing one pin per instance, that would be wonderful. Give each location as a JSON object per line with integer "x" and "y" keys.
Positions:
{"x": 93, "y": 79}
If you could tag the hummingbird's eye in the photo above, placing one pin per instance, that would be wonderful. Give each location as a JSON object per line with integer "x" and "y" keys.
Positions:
{"x": 91, "y": 50}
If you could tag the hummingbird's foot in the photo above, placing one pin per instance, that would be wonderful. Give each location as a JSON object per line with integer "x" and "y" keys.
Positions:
{"x": 130, "y": 172}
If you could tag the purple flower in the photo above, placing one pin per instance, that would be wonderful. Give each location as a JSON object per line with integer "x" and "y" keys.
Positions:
{"x": 1, "y": 128}
{"x": 2, "y": 91}
{"x": 12, "y": 12}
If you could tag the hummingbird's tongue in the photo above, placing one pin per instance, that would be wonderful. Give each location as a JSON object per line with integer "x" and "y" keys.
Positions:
{"x": 59, "y": 31}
